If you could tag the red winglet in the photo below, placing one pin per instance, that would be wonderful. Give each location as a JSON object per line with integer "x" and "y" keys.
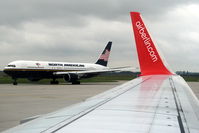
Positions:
{"x": 149, "y": 58}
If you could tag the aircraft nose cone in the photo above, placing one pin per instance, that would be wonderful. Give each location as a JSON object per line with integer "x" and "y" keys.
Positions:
{"x": 5, "y": 71}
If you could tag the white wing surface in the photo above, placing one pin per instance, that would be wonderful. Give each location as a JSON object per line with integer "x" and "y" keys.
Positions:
{"x": 156, "y": 102}
{"x": 87, "y": 72}
{"x": 105, "y": 70}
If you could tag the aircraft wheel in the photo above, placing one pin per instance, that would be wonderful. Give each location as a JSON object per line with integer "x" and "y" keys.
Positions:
{"x": 56, "y": 82}
{"x": 15, "y": 83}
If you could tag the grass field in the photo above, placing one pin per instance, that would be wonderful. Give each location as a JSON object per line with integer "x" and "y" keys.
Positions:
{"x": 191, "y": 78}
{"x": 4, "y": 79}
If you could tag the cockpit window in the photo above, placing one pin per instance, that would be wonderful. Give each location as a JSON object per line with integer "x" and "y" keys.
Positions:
{"x": 11, "y": 66}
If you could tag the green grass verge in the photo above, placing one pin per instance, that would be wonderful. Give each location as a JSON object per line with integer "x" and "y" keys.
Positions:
{"x": 111, "y": 78}
{"x": 4, "y": 79}
{"x": 101, "y": 78}
{"x": 191, "y": 78}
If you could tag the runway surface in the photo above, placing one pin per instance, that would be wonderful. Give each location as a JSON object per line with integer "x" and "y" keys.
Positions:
{"x": 27, "y": 100}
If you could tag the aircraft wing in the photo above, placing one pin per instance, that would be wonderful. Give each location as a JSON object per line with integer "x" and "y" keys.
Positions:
{"x": 85, "y": 72}
{"x": 156, "y": 102}
{"x": 118, "y": 69}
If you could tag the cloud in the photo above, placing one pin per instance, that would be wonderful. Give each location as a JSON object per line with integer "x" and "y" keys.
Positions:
{"x": 73, "y": 12}
{"x": 66, "y": 30}
{"x": 177, "y": 35}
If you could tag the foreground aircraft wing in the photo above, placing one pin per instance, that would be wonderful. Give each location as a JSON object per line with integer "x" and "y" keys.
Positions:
{"x": 156, "y": 102}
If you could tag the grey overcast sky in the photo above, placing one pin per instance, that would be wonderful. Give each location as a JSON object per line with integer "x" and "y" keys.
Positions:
{"x": 77, "y": 31}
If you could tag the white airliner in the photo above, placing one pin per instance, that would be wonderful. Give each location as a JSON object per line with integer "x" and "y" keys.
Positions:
{"x": 71, "y": 72}
{"x": 156, "y": 102}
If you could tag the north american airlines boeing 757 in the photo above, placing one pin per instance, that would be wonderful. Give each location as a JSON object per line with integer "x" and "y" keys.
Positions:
{"x": 158, "y": 101}
{"x": 71, "y": 72}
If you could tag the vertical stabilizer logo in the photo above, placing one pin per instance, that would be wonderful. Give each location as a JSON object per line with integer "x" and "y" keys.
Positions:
{"x": 147, "y": 41}
{"x": 105, "y": 55}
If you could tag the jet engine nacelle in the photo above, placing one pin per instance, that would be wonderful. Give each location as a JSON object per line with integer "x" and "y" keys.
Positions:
{"x": 71, "y": 77}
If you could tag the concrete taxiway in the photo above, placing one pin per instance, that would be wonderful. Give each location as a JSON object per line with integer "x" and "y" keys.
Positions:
{"x": 27, "y": 100}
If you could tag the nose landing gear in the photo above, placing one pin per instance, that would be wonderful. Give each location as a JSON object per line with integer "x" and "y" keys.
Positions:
{"x": 15, "y": 81}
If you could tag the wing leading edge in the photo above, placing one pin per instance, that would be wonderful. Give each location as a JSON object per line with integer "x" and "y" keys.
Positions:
{"x": 158, "y": 101}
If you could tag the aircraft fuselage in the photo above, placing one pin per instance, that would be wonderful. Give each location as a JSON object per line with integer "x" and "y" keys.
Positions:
{"x": 36, "y": 70}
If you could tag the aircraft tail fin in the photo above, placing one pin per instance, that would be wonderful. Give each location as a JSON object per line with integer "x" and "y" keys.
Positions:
{"x": 103, "y": 59}
{"x": 149, "y": 58}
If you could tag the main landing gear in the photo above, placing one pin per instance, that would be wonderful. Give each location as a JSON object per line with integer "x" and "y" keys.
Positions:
{"x": 54, "y": 82}
{"x": 75, "y": 82}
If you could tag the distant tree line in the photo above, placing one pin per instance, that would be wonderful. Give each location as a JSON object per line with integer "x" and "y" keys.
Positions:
{"x": 187, "y": 73}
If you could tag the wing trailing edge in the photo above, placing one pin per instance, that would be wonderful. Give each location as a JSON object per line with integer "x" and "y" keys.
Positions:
{"x": 149, "y": 58}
